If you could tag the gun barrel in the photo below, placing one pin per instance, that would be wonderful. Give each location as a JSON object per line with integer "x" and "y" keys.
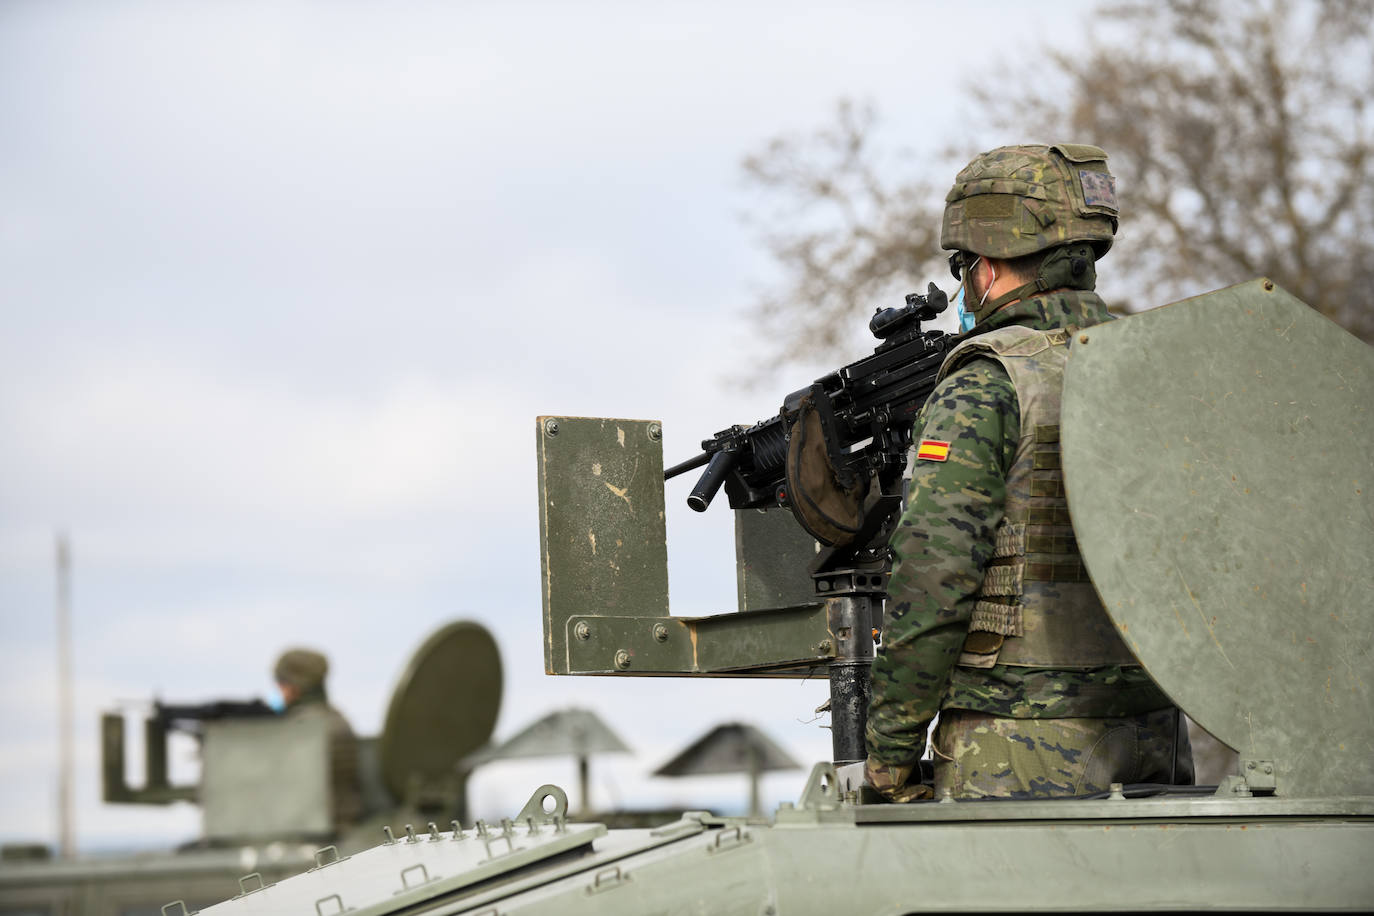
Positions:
{"x": 717, "y": 469}
{"x": 687, "y": 465}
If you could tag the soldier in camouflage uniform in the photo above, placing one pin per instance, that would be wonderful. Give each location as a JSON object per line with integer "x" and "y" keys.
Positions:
{"x": 300, "y": 675}
{"x": 991, "y": 619}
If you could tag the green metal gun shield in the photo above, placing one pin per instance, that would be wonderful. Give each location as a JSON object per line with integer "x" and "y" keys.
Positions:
{"x": 444, "y": 707}
{"x": 602, "y": 535}
{"x": 1217, "y": 456}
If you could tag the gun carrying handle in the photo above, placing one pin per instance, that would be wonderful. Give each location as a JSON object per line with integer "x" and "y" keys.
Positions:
{"x": 717, "y": 469}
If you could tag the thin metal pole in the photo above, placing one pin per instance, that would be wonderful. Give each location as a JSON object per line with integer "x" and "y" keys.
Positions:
{"x": 755, "y": 774}
{"x": 66, "y": 828}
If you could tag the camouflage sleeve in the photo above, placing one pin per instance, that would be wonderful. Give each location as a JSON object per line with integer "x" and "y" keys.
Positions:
{"x": 940, "y": 546}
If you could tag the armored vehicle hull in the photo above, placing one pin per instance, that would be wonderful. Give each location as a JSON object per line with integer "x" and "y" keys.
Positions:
{"x": 1162, "y": 854}
{"x": 1216, "y": 459}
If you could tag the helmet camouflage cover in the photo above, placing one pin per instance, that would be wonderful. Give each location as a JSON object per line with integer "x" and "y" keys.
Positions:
{"x": 1017, "y": 200}
{"x": 303, "y": 669}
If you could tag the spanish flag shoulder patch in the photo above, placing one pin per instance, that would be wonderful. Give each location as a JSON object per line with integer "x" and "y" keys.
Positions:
{"x": 932, "y": 450}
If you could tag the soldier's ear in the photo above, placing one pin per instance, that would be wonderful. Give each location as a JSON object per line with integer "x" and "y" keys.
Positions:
{"x": 981, "y": 275}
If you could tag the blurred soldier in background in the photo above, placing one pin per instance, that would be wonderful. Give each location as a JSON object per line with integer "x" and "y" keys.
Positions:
{"x": 991, "y": 619}
{"x": 300, "y": 675}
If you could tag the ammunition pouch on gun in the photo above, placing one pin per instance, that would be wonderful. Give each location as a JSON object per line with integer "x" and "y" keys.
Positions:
{"x": 829, "y": 508}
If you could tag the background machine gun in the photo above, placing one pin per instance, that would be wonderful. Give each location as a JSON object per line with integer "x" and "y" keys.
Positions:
{"x": 189, "y": 718}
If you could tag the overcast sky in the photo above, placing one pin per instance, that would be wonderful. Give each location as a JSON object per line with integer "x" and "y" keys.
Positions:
{"x": 285, "y": 285}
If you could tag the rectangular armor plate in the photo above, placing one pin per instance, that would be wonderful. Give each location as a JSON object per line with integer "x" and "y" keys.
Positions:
{"x": 772, "y": 553}
{"x": 602, "y": 538}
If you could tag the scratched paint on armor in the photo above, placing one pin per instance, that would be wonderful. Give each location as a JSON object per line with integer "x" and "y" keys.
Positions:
{"x": 941, "y": 545}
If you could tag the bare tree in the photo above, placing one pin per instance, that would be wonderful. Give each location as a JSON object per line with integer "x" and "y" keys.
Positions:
{"x": 844, "y": 237}
{"x": 1239, "y": 130}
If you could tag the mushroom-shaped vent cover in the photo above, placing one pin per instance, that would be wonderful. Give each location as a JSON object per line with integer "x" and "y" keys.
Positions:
{"x": 730, "y": 748}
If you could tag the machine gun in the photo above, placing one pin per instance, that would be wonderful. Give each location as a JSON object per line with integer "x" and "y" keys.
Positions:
{"x": 188, "y": 717}
{"x": 836, "y": 451}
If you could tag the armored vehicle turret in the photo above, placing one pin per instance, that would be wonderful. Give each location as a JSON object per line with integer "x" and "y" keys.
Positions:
{"x": 264, "y": 790}
{"x": 1216, "y": 455}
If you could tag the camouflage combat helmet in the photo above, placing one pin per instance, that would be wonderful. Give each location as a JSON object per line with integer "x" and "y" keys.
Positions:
{"x": 1017, "y": 200}
{"x": 304, "y": 669}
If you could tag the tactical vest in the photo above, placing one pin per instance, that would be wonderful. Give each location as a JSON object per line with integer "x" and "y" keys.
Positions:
{"x": 1036, "y": 607}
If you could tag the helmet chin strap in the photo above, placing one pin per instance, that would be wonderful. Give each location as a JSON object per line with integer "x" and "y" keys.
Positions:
{"x": 1069, "y": 266}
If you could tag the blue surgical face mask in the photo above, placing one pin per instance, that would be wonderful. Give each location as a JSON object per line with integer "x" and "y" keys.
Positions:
{"x": 275, "y": 701}
{"x": 966, "y": 319}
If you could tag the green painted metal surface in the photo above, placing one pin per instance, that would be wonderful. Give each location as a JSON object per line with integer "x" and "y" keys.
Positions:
{"x": 602, "y": 536}
{"x": 772, "y": 553}
{"x": 1217, "y": 456}
{"x": 265, "y": 778}
{"x": 156, "y": 789}
{"x": 784, "y": 642}
{"x": 1074, "y": 867}
{"x": 818, "y": 858}
{"x": 605, "y": 569}
{"x": 444, "y": 706}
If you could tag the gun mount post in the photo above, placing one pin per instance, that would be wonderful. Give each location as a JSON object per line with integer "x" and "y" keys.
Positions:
{"x": 852, "y": 622}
